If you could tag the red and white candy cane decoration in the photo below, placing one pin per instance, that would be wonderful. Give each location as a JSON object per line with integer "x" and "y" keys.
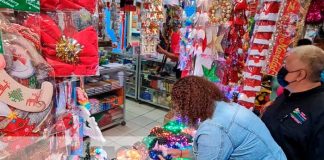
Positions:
{"x": 264, "y": 29}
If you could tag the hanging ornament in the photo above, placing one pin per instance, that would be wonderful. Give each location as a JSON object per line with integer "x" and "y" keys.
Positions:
{"x": 220, "y": 11}
{"x": 210, "y": 74}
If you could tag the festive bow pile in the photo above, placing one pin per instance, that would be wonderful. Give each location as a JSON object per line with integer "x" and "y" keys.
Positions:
{"x": 174, "y": 135}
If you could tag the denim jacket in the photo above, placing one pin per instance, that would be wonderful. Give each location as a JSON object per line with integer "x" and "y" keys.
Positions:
{"x": 234, "y": 132}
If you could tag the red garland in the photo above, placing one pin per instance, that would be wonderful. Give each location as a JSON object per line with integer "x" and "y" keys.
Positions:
{"x": 235, "y": 60}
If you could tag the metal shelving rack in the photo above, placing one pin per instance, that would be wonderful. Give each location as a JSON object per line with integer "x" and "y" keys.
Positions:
{"x": 94, "y": 91}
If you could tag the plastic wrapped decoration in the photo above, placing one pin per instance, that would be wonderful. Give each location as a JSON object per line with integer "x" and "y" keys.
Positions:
{"x": 68, "y": 5}
{"x": 25, "y": 93}
{"x": 69, "y": 52}
{"x": 315, "y": 13}
{"x": 137, "y": 152}
{"x": 92, "y": 130}
{"x": 152, "y": 17}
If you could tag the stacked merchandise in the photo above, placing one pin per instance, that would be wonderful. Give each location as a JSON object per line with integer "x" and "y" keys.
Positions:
{"x": 173, "y": 135}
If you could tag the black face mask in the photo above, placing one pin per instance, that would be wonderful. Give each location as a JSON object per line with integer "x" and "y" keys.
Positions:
{"x": 282, "y": 75}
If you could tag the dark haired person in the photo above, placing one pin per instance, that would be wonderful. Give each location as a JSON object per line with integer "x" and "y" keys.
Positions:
{"x": 174, "y": 49}
{"x": 303, "y": 42}
{"x": 225, "y": 130}
{"x": 296, "y": 118}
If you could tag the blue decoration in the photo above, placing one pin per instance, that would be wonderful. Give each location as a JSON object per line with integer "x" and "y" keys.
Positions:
{"x": 190, "y": 10}
{"x": 109, "y": 31}
{"x": 154, "y": 155}
{"x": 322, "y": 76}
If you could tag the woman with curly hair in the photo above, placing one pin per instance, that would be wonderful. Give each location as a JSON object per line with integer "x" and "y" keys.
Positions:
{"x": 225, "y": 130}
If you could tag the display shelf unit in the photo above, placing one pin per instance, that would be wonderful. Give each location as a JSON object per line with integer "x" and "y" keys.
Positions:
{"x": 155, "y": 87}
{"x": 129, "y": 60}
{"x": 105, "y": 90}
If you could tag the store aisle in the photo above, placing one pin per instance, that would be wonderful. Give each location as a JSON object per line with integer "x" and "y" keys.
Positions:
{"x": 140, "y": 119}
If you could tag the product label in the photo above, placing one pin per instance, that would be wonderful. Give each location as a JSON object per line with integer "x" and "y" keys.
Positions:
{"x": 22, "y": 5}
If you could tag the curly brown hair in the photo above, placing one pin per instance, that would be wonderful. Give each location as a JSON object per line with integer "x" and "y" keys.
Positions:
{"x": 194, "y": 98}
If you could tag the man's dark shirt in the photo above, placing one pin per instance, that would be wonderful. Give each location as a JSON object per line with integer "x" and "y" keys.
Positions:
{"x": 300, "y": 135}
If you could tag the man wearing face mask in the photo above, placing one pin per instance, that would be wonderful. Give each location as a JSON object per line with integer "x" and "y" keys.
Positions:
{"x": 296, "y": 118}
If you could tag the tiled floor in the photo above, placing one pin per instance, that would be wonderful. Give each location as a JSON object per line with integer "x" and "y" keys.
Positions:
{"x": 140, "y": 119}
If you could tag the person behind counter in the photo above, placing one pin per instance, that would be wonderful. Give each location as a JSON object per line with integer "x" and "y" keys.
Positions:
{"x": 296, "y": 118}
{"x": 226, "y": 130}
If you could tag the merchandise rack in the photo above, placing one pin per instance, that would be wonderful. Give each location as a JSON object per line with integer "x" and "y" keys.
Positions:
{"x": 104, "y": 88}
{"x": 131, "y": 74}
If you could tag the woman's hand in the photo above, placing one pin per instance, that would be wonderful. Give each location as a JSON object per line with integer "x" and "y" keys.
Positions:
{"x": 160, "y": 157}
{"x": 175, "y": 153}
{"x": 160, "y": 49}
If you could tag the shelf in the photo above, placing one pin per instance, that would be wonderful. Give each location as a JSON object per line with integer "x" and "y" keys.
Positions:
{"x": 107, "y": 70}
{"x": 158, "y": 60}
{"x": 155, "y": 104}
{"x": 158, "y": 90}
{"x": 170, "y": 78}
{"x": 125, "y": 55}
{"x": 104, "y": 110}
{"x": 131, "y": 83}
{"x": 105, "y": 44}
{"x": 103, "y": 91}
{"x": 130, "y": 96}
{"x": 130, "y": 70}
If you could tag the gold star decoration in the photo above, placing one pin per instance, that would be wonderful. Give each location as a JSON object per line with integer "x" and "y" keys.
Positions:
{"x": 216, "y": 45}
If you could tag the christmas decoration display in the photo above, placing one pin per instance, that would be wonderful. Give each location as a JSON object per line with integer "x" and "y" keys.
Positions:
{"x": 173, "y": 134}
{"x": 152, "y": 16}
{"x": 289, "y": 23}
{"x": 278, "y": 27}
{"x": 25, "y": 90}
{"x": 265, "y": 22}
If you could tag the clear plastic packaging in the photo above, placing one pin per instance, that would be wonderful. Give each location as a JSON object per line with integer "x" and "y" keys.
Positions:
{"x": 25, "y": 87}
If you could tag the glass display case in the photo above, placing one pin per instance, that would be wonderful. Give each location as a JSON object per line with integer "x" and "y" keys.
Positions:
{"x": 156, "y": 79}
{"x": 129, "y": 61}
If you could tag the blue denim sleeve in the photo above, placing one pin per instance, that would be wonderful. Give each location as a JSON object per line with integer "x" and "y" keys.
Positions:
{"x": 212, "y": 143}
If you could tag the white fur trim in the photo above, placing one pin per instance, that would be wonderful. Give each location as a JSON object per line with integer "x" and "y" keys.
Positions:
{"x": 250, "y": 76}
{"x": 261, "y": 41}
{"x": 251, "y": 63}
{"x": 243, "y": 97}
{"x": 253, "y": 52}
{"x": 249, "y": 88}
{"x": 267, "y": 28}
{"x": 269, "y": 16}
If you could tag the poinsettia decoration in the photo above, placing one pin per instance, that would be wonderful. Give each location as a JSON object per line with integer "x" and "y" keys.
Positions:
{"x": 75, "y": 54}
